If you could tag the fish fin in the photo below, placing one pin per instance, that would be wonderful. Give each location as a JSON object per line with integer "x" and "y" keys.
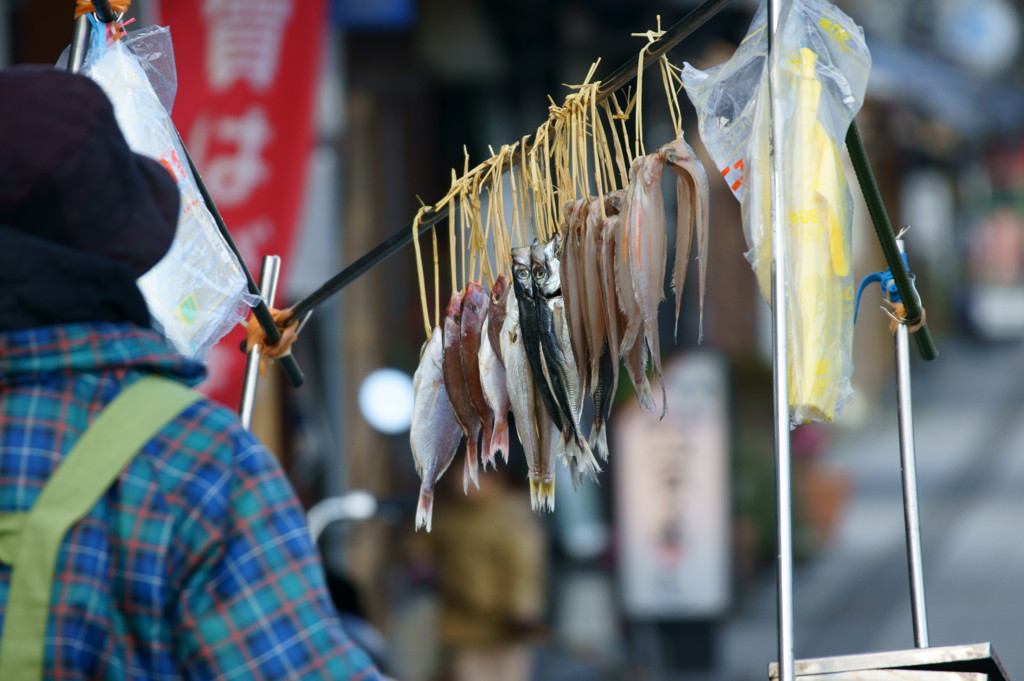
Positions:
{"x": 643, "y": 394}
{"x": 654, "y": 352}
{"x": 547, "y": 495}
{"x": 536, "y": 501}
{"x": 499, "y": 441}
{"x": 471, "y": 467}
{"x": 599, "y": 440}
{"x": 486, "y": 452}
{"x": 581, "y": 461}
{"x": 629, "y": 337}
{"x": 425, "y": 508}
{"x": 473, "y": 462}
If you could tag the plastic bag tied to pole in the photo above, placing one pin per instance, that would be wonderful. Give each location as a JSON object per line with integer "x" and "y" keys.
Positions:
{"x": 823, "y": 64}
{"x": 198, "y": 291}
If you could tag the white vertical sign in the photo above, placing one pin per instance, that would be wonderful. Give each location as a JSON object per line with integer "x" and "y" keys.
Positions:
{"x": 672, "y": 496}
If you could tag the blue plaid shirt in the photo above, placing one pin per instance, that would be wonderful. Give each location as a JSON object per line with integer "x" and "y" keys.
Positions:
{"x": 196, "y": 563}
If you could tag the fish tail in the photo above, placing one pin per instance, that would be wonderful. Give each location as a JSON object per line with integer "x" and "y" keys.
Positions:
{"x": 644, "y": 396}
{"x": 425, "y": 508}
{"x": 486, "y": 452}
{"x": 536, "y": 501}
{"x": 471, "y": 472}
{"x": 547, "y": 495}
{"x": 581, "y": 461}
{"x": 499, "y": 440}
{"x": 599, "y": 439}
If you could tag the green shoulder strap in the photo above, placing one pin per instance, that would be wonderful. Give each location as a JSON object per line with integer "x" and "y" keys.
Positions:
{"x": 34, "y": 539}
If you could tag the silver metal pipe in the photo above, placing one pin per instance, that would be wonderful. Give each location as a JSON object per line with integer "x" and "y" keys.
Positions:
{"x": 79, "y": 44}
{"x": 908, "y": 465}
{"x": 355, "y": 505}
{"x": 268, "y": 289}
{"x": 780, "y": 365}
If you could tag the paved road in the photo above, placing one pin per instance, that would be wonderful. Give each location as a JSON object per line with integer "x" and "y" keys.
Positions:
{"x": 969, "y": 418}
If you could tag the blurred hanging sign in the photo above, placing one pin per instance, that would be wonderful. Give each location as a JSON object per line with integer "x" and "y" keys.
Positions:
{"x": 248, "y": 71}
{"x": 672, "y": 497}
{"x": 379, "y": 15}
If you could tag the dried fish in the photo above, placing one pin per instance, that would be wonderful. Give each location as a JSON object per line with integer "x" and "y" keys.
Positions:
{"x": 575, "y": 451}
{"x": 435, "y": 433}
{"x": 636, "y": 367}
{"x": 474, "y": 309}
{"x": 522, "y": 394}
{"x": 529, "y": 326}
{"x": 604, "y": 396}
{"x": 542, "y": 493}
{"x": 493, "y": 380}
{"x": 612, "y": 315}
{"x": 593, "y": 296}
{"x": 630, "y": 223}
{"x": 458, "y": 389}
{"x": 647, "y": 253}
{"x": 574, "y": 290}
{"x": 496, "y": 313}
{"x": 546, "y": 282}
{"x": 693, "y": 201}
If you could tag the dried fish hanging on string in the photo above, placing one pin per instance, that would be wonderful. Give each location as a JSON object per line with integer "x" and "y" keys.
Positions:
{"x": 575, "y": 279}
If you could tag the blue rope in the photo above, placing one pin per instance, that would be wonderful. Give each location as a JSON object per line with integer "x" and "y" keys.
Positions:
{"x": 885, "y": 279}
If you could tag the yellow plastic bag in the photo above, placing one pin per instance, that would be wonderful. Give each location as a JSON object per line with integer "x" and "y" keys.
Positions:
{"x": 823, "y": 66}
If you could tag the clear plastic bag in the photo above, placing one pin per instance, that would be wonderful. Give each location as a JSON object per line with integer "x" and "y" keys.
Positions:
{"x": 822, "y": 67}
{"x": 198, "y": 291}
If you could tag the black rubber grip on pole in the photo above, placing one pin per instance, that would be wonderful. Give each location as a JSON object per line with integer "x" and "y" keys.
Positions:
{"x": 291, "y": 369}
{"x": 887, "y": 239}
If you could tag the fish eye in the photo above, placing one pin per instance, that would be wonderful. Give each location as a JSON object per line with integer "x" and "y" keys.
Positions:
{"x": 539, "y": 273}
{"x": 522, "y": 274}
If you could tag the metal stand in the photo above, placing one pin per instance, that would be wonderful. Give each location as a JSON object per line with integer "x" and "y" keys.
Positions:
{"x": 780, "y": 368}
{"x": 908, "y": 461}
{"x": 973, "y": 662}
{"x": 268, "y": 289}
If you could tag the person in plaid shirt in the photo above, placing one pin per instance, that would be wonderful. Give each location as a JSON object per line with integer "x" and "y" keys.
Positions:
{"x": 196, "y": 563}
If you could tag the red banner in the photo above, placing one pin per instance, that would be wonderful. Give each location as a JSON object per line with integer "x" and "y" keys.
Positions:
{"x": 247, "y": 76}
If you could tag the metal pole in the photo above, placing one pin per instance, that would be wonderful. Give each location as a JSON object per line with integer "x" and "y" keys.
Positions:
{"x": 908, "y": 463}
{"x": 80, "y": 38}
{"x": 268, "y": 289}
{"x": 79, "y": 42}
{"x": 780, "y": 363}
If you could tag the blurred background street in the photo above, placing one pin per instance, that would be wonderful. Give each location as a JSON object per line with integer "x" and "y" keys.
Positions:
{"x": 627, "y": 585}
